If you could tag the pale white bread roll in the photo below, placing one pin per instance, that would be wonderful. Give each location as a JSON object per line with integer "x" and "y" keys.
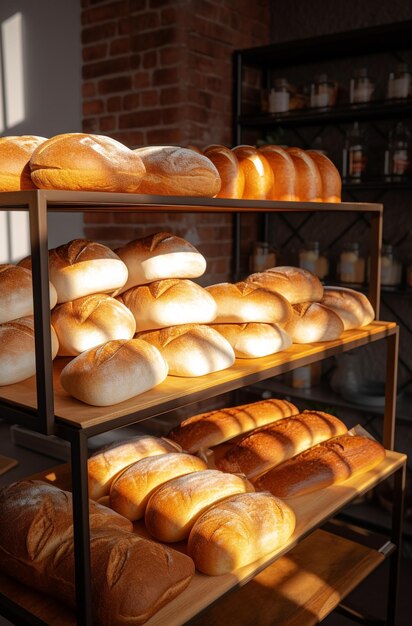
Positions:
{"x": 158, "y": 256}
{"x": 231, "y": 175}
{"x": 175, "y": 171}
{"x": 284, "y": 173}
{"x": 293, "y": 283}
{"x": 312, "y": 322}
{"x": 90, "y": 321}
{"x": 79, "y": 161}
{"x": 254, "y": 340}
{"x": 191, "y": 349}
{"x": 174, "y": 507}
{"x": 17, "y": 351}
{"x": 209, "y": 429}
{"x": 15, "y": 154}
{"x": 308, "y": 179}
{"x": 113, "y": 372}
{"x": 353, "y": 307}
{"x": 248, "y": 302}
{"x": 257, "y": 172}
{"x": 330, "y": 177}
{"x": 325, "y": 464}
{"x": 131, "y": 490}
{"x": 169, "y": 302}
{"x": 239, "y": 531}
{"x": 106, "y": 464}
{"x": 16, "y": 289}
{"x": 270, "y": 445}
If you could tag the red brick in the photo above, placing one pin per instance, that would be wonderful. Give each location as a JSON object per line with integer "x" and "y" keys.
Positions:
{"x": 169, "y": 95}
{"x": 96, "y": 33}
{"x": 114, "y": 104}
{"x": 141, "y": 80}
{"x": 131, "y": 101}
{"x": 170, "y": 15}
{"x": 150, "y": 98}
{"x": 154, "y": 39}
{"x": 137, "y": 5}
{"x": 101, "y": 233}
{"x": 103, "y": 68}
{"x": 138, "y": 119}
{"x": 98, "y": 218}
{"x": 123, "y": 27}
{"x": 135, "y": 61}
{"x": 94, "y": 52}
{"x": 144, "y": 21}
{"x": 130, "y": 138}
{"x": 93, "y": 107}
{"x": 166, "y": 76}
{"x": 120, "y": 46}
{"x": 209, "y": 10}
{"x": 213, "y": 30}
{"x": 113, "y": 85}
{"x": 88, "y": 90}
{"x": 165, "y": 136}
{"x": 172, "y": 55}
{"x": 150, "y": 59}
{"x": 105, "y": 12}
{"x": 90, "y": 125}
{"x": 154, "y": 219}
{"x": 158, "y": 4}
{"x": 107, "y": 123}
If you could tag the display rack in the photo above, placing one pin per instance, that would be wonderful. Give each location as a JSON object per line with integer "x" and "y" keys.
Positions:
{"x": 41, "y": 404}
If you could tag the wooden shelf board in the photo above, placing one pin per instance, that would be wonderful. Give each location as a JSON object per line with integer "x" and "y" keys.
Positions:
{"x": 176, "y": 391}
{"x": 311, "y": 511}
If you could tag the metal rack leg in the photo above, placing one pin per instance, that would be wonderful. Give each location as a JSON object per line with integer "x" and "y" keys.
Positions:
{"x": 395, "y": 558}
{"x": 392, "y": 347}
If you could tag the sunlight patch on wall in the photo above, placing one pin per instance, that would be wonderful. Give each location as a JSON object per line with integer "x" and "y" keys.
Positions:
{"x": 13, "y": 71}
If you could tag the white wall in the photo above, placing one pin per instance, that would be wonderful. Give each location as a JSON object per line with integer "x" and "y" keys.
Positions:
{"x": 47, "y": 101}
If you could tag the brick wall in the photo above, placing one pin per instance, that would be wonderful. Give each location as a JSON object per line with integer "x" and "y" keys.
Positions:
{"x": 160, "y": 72}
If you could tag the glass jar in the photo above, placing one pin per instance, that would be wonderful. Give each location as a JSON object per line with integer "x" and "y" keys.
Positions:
{"x": 409, "y": 276}
{"x": 307, "y": 376}
{"x": 399, "y": 82}
{"x": 279, "y": 96}
{"x": 310, "y": 259}
{"x": 354, "y": 154}
{"x": 322, "y": 92}
{"x": 262, "y": 257}
{"x": 361, "y": 86}
{"x": 351, "y": 268}
{"x": 397, "y": 154}
{"x": 391, "y": 267}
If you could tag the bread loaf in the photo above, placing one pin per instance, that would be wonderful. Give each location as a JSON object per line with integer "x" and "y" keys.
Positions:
{"x": 353, "y": 307}
{"x": 17, "y": 351}
{"x": 270, "y": 445}
{"x": 293, "y": 283}
{"x": 169, "y": 302}
{"x": 214, "y": 427}
{"x": 15, "y": 154}
{"x": 253, "y": 340}
{"x": 238, "y": 531}
{"x": 191, "y": 350}
{"x": 248, "y": 302}
{"x": 308, "y": 179}
{"x": 174, "y": 171}
{"x": 330, "y": 462}
{"x": 131, "y": 490}
{"x": 17, "y": 293}
{"x": 158, "y": 256}
{"x": 113, "y": 372}
{"x": 79, "y": 161}
{"x": 257, "y": 172}
{"x": 231, "y": 175}
{"x": 312, "y": 322}
{"x": 284, "y": 174}
{"x": 174, "y": 507}
{"x": 90, "y": 321}
{"x": 330, "y": 177}
{"x": 105, "y": 465}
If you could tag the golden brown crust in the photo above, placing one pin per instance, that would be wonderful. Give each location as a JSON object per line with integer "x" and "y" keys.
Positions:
{"x": 257, "y": 171}
{"x": 15, "y": 154}
{"x": 308, "y": 179}
{"x": 353, "y": 307}
{"x": 312, "y": 322}
{"x": 330, "y": 177}
{"x": 16, "y": 291}
{"x": 231, "y": 174}
{"x": 284, "y": 173}
{"x": 253, "y": 340}
{"x": 293, "y": 283}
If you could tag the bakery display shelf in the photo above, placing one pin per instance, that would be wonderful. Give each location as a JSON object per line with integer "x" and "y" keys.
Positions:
{"x": 311, "y": 511}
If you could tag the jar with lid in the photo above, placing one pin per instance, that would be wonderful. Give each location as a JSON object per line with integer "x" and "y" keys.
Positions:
{"x": 399, "y": 82}
{"x": 354, "y": 156}
{"x": 262, "y": 257}
{"x": 310, "y": 259}
{"x": 306, "y": 376}
{"x": 361, "y": 86}
{"x": 351, "y": 266}
{"x": 322, "y": 92}
{"x": 397, "y": 154}
{"x": 279, "y": 96}
{"x": 391, "y": 267}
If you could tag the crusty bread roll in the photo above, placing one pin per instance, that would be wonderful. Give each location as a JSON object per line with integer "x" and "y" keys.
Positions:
{"x": 239, "y": 531}
{"x": 248, "y": 302}
{"x": 293, "y": 283}
{"x": 353, "y": 307}
{"x": 231, "y": 175}
{"x": 284, "y": 173}
{"x": 174, "y": 507}
{"x": 214, "y": 427}
{"x": 158, "y": 256}
{"x": 15, "y": 154}
{"x": 114, "y": 371}
{"x": 17, "y": 351}
{"x": 312, "y": 322}
{"x": 174, "y": 171}
{"x": 308, "y": 179}
{"x": 327, "y": 463}
{"x": 191, "y": 349}
{"x": 78, "y": 161}
{"x": 330, "y": 177}
{"x": 257, "y": 172}
{"x": 106, "y": 464}
{"x": 270, "y": 445}
{"x": 16, "y": 291}
{"x": 254, "y": 340}
{"x": 90, "y": 321}
{"x": 168, "y": 303}
{"x": 131, "y": 490}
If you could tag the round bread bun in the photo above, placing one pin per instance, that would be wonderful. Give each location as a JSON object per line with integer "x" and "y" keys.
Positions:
{"x": 253, "y": 340}
{"x": 284, "y": 173}
{"x": 192, "y": 350}
{"x": 169, "y": 302}
{"x": 308, "y": 179}
{"x": 248, "y": 302}
{"x": 313, "y": 322}
{"x": 159, "y": 256}
{"x": 15, "y": 154}
{"x": 239, "y": 531}
{"x": 174, "y": 171}
{"x": 231, "y": 175}
{"x": 79, "y": 161}
{"x": 353, "y": 307}
{"x": 90, "y": 321}
{"x": 16, "y": 290}
{"x": 114, "y": 372}
{"x": 130, "y": 492}
{"x": 293, "y": 283}
{"x": 330, "y": 177}
{"x": 174, "y": 507}
{"x": 257, "y": 171}
{"x": 17, "y": 351}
